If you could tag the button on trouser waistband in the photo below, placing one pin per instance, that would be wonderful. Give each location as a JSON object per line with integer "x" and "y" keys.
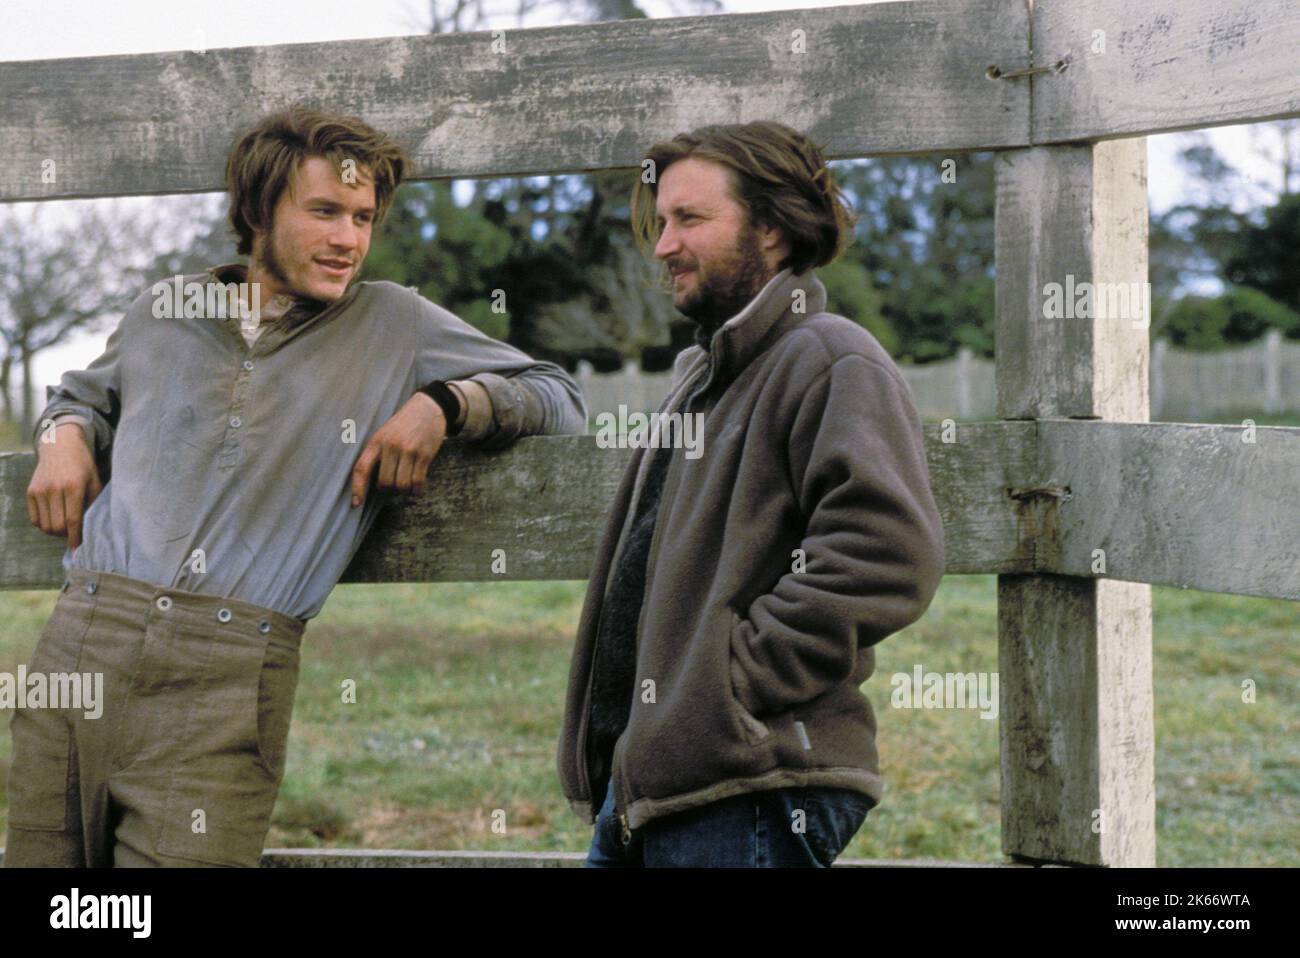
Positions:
{"x": 185, "y": 609}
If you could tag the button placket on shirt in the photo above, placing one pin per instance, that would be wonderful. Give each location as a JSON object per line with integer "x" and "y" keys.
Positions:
{"x": 229, "y": 454}
{"x": 236, "y": 422}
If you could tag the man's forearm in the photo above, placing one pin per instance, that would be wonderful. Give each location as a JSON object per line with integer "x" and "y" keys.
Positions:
{"x": 64, "y": 417}
{"x": 534, "y": 402}
{"x": 60, "y": 430}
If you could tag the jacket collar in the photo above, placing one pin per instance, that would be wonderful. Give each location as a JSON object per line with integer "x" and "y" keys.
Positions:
{"x": 769, "y": 316}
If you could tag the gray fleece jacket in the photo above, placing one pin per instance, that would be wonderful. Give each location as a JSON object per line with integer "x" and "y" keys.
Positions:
{"x": 804, "y": 534}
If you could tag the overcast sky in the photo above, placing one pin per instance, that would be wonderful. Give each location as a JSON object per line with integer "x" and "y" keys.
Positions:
{"x": 45, "y": 29}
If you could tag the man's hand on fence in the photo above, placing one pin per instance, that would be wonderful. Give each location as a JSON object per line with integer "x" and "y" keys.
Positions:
{"x": 64, "y": 485}
{"x": 403, "y": 448}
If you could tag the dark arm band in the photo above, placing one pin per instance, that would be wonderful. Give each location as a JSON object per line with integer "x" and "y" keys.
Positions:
{"x": 443, "y": 395}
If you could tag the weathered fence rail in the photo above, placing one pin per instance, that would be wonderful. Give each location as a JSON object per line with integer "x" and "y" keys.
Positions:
{"x": 1032, "y": 498}
{"x": 535, "y": 501}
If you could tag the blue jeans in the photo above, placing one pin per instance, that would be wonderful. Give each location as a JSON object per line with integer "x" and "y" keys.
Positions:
{"x": 778, "y": 828}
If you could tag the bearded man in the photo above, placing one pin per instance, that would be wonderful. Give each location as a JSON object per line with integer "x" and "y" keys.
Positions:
{"x": 713, "y": 715}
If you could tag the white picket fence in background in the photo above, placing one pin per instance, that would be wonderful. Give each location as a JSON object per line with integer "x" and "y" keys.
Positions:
{"x": 1185, "y": 386}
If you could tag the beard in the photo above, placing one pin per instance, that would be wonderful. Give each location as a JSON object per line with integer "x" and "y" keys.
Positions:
{"x": 273, "y": 264}
{"x": 272, "y": 259}
{"x": 729, "y": 286}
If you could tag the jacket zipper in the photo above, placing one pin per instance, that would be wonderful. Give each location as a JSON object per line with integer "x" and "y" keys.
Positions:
{"x": 583, "y": 766}
{"x": 671, "y": 480}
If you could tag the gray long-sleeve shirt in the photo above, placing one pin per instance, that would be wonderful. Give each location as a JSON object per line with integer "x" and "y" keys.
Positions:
{"x": 246, "y": 453}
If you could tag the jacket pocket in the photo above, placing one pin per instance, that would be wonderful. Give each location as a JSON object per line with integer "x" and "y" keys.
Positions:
{"x": 695, "y": 735}
{"x": 753, "y": 729}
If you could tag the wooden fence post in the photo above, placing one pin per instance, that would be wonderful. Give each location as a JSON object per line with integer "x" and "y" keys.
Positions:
{"x": 1077, "y": 737}
{"x": 1272, "y": 355}
{"x": 963, "y": 370}
{"x": 1159, "y": 359}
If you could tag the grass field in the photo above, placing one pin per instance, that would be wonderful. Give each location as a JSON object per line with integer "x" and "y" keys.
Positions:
{"x": 460, "y": 687}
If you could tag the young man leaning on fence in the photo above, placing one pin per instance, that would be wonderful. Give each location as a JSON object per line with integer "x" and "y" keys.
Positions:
{"x": 713, "y": 715}
{"x": 237, "y": 441}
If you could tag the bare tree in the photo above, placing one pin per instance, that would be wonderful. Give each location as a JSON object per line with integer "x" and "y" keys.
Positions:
{"x": 61, "y": 277}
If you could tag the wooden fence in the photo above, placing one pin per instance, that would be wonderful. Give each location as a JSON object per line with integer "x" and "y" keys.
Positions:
{"x": 1062, "y": 89}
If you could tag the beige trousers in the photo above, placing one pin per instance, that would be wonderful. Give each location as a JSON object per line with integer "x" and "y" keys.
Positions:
{"x": 183, "y": 764}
